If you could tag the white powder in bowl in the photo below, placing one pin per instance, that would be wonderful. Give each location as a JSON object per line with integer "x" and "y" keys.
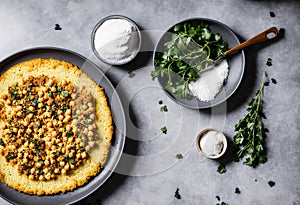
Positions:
{"x": 211, "y": 143}
{"x": 210, "y": 82}
{"x": 116, "y": 41}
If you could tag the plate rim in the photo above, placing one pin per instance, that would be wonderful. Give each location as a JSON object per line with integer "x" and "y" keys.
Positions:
{"x": 122, "y": 133}
{"x": 227, "y": 95}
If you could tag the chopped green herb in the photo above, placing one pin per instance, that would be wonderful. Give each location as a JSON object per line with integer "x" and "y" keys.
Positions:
{"x": 164, "y": 130}
{"x": 250, "y": 132}
{"x": 16, "y": 87}
{"x": 71, "y": 161}
{"x": 9, "y": 122}
{"x": 189, "y": 50}
{"x": 27, "y": 88}
{"x": 221, "y": 168}
{"x": 164, "y": 109}
{"x": 218, "y": 198}
{"x": 269, "y": 62}
{"x": 15, "y": 95}
{"x": 131, "y": 74}
{"x": 65, "y": 155}
{"x": 41, "y": 161}
{"x": 70, "y": 134}
{"x": 8, "y": 155}
{"x": 271, "y": 183}
{"x": 27, "y": 112}
{"x": 58, "y": 89}
{"x": 177, "y": 195}
{"x": 37, "y": 124}
{"x": 273, "y": 81}
{"x": 81, "y": 149}
{"x": 237, "y": 190}
{"x": 179, "y": 156}
{"x": 35, "y": 102}
{"x": 1, "y": 142}
{"x": 65, "y": 93}
{"x": 160, "y": 102}
{"x": 27, "y": 98}
{"x": 88, "y": 122}
{"x": 57, "y": 27}
{"x": 10, "y": 135}
{"x": 272, "y": 14}
{"x": 50, "y": 94}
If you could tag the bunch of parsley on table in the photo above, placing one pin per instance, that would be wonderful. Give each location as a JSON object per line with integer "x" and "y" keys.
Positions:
{"x": 190, "y": 49}
{"x": 250, "y": 131}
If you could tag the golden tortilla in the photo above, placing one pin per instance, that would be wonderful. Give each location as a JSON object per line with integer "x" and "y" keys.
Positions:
{"x": 97, "y": 157}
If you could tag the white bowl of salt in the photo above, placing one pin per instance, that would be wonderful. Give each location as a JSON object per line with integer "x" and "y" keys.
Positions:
{"x": 211, "y": 143}
{"x": 116, "y": 40}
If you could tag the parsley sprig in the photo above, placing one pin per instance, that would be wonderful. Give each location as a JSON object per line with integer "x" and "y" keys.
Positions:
{"x": 190, "y": 49}
{"x": 250, "y": 131}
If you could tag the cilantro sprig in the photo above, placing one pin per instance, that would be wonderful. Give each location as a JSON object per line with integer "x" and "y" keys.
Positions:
{"x": 190, "y": 49}
{"x": 250, "y": 131}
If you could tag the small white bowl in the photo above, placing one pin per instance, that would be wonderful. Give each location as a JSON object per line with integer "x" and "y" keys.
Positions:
{"x": 201, "y": 134}
{"x": 137, "y": 30}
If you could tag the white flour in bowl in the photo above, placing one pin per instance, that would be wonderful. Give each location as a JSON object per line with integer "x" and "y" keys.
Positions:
{"x": 116, "y": 41}
{"x": 210, "y": 82}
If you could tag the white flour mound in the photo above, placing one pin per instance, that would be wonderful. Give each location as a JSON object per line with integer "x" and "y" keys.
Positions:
{"x": 210, "y": 82}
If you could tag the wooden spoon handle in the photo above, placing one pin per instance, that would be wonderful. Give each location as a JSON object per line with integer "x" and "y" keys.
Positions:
{"x": 263, "y": 36}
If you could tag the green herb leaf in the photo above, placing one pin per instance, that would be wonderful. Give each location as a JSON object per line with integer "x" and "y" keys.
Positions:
{"x": 271, "y": 183}
{"x": 177, "y": 195}
{"x": 57, "y": 27}
{"x": 65, "y": 93}
{"x": 65, "y": 155}
{"x": 70, "y": 133}
{"x": 273, "y": 81}
{"x": 164, "y": 130}
{"x": 164, "y": 109}
{"x": 179, "y": 156}
{"x": 237, "y": 190}
{"x": 160, "y": 102}
{"x": 35, "y": 102}
{"x": 218, "y": 198}
{"x": 269, "y": 62}
{"x": 1, "y": 142}
{"x": 221, "y": 169}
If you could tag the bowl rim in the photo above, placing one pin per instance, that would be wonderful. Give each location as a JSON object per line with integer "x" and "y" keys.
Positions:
{"x": 201, "y": 134}
{"x": 101, "y": 21}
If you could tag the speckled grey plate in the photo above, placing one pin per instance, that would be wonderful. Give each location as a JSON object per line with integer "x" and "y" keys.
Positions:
{"x": 118, "y": 141}
{"x": 236, "y": 65}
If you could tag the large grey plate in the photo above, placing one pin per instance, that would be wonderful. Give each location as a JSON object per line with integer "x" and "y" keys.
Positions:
{"x": 97, "y": 75}
{"x": 236, "y": 65}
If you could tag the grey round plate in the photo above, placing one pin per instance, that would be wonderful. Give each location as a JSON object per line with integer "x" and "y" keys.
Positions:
{"x": 118, "y": 140}
{"x": 236, "y": 65}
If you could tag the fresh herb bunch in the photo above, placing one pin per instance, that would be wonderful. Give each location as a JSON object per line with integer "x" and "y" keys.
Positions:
{"x": 190, "y": 49}
{"x": 250, "y": 131}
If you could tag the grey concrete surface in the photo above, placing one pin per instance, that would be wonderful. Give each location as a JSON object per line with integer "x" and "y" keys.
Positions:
{"x": 148, "y": 172}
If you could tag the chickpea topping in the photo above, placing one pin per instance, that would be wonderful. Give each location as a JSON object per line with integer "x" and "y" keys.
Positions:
{"x": 47, "y": 131}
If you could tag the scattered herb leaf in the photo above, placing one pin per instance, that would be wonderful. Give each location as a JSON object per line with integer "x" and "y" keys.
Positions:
{"x": 1, "y": 142}
{"x": 269, "y": 62}
{"x": 65, "y": 93}
{"x": 164, "y": 130}
{"x": 221, "y": 169}
{"x": 164, "y": 109}
{"x": 65, "y": 155}
{"x": 70, "y": 134}
{"x": 177, "y": 195}
{"x": 188, "y": 50}
{"x": 250, "y": 132}
{"x": 272, "y": 14}
{"x": 179, "y": 156}
{"x": 57, "y": 27}
{"x": 237, "y": 190}
{"x": 160, "y": 102}
{"x": 271, "y": 183}
{"x": 273, "y": 81}
{"x": 218, "y": 198}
